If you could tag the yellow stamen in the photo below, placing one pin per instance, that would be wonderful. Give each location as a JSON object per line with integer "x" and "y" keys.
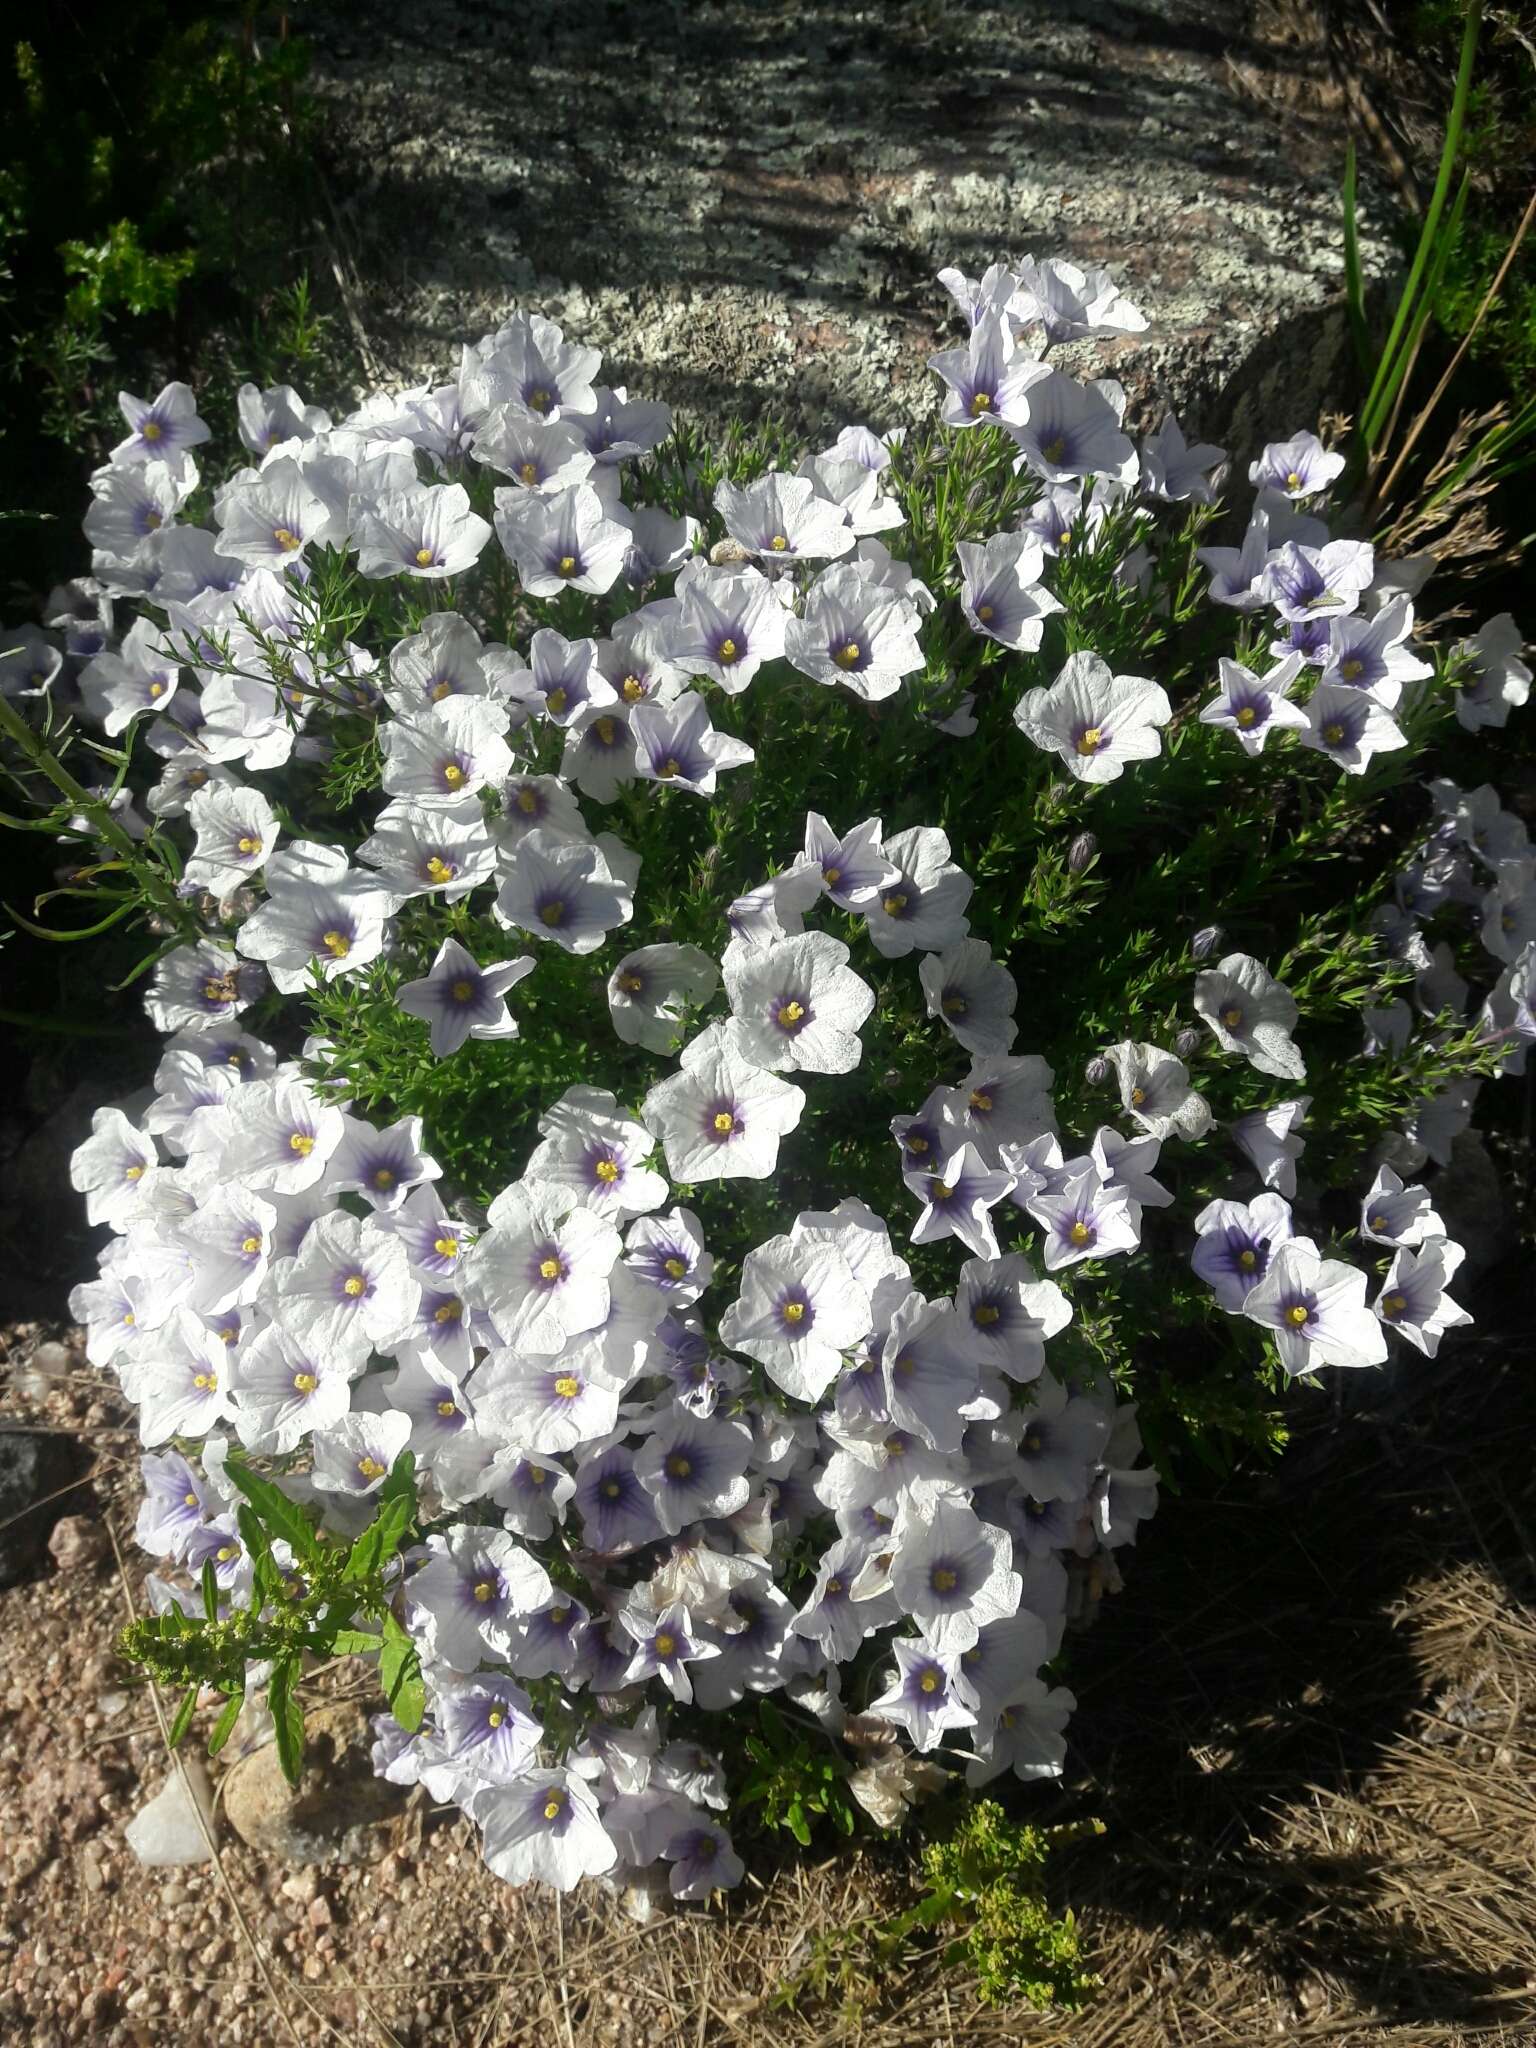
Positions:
{"x": 337, "y": 944}
{"x": 549, "y": 1269}
{"x": 1334, "y": 734}
{"x": 724, "y": 1122}
{"x": 944, "y": 1580}
{"x": 567, "y": 1386}
{"x": 354, "y": 1285}
{"x": 793, "y": 1311}
{"x": 778, "y": 543}
{"x": 985, "y": 612}
{"x": 151, "y": 430}
{"x": 368, "y": 1467}
{"x": 1393, "y": 1304}
{"x": 986, "y": 1313}
{"x": 495, "y": 1718}
{"x": 453, "y": 774}
{"x": 250, "y": 1246}
{"x": 632, "y": 689}
{"x": 567, "y": 565}
{"x": 929, "y": 1682}
{"x": 484, "y": 1591}
{"x": 448, "y": 1312}
{"x": 607, "y": 1170}
{"x": 1080, "y": 1233}
{"x": 206, "y": 1382}
{"x": 790, "y": 1013}
{"x": 1246, "y": 715}
{"x": 384, "y": 1179}
{"x": 632, "y": 984}
{"x": 286, "y": 539}
{"x": 726, "y": 653}
{"x": 1248, "y": 1260}
{"x": 981, "y": 1101}
{"x": 665, "y": 1644}
{"x": 446, "y": 1247}
{"x": 440, "y": 870}
{"x": 675, "y": 1268}
{"x": 606, "y": 730}
{"x": 1232, "y": 1017}
{"x": 980, "y": 403}
{"x": 446, "y": 1408}
{"x": 1297, "y": 1316}
{"x": 529, "y": 472}
{"x": 1090, "y": 740}
{"x": 894, "y": 904}
{"x": 248, "y": 845}
{"x": 679, "y": 1467}
{"x": 849, "y": 654}
{"x": 423, "y": 558}
{"x": 552, "y": 914}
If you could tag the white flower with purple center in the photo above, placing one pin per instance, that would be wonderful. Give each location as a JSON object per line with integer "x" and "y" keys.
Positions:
{"x": 1373, "y": 654}
{"x": 677, "y": 745}
{"x": 729, "y": 624}
{"x": 1234, "y": 1244}
{"x": 986, "y": 378}
{"x": 236, "y": 829}
{"x": 1252, "y": 707}
{"x": 854, "y": 867}
{"x": 1269, "y": 1138}
{"x": 1498, "y": 681}
{"x": 1069, "y": 430}
{"x": 799, "y": 1309}
{"x": 930, "y": 1378}
{"x": 652, "y": 989}
{"x": 230, "y": 1237}
{"x": 1395, "y": 1214}
{"x": 617, "y": 1512}
{"x": 201, "y": 988}
{"x": 938, "y": 1128}
{"x": 923, "y": 909}
{"x": 465, "y": 1602}
{"x": 952, "y": 1572}
{"x": 779, "y": 517}
{"x": 564, "y": 891}
{"x": 129, "y": 510}
{"x": 1155, "y": 1091}
{"x": 1026, "y": 1736}
{"x": 356, "y": 1454}
{"x": 541, "y": 1268}
{"x": 1306, "y": 583}
{"x": 702, "y": 1861}
{"x": 1085, "y": 1219}
{"x": 599, "y": 753}
{"x": 797, "y": 1005}
{"x": 1247, "y": 1011}
{"x": 1508, "y": 911}
{"x": 854, "y": 632}
{"x": 1093, "y": 719}
{"x": 280, "y": 1135}
{"x": 596, "y": 1155}
{"x": 665, "y": 1645}
{"x": 720, "y": 1117}
{"x": 459, "y": 999}
{"x": 856, "y": 492}
{"x": 1008, "y": 1312}
{"x": 1071, "y": 303}
{"x": 1316, "y": 1308}
{"x": 1127, "y": 1163}
{"x": 486, "y": 1730}
{"x": 1299, "y": 467}
{"x": 957, "y": 1194}
{"x": 160, "y": 429}
{"x": 438, "y": 850}
{"x": 972, "y": 994}
{"x": 268, "y": 518}
{"x": 694, "y": 1468}
{"x": 668, "y": 1252}
{"x": 1061, "y": 1438}
{"x": 544, "y": 1826}
{"x": 929, "y": 1693}
{"x": 561, "y": 540}
{"x": 1350, "y": 727}
{"x": 381, "y": 1165}
{"x": 1413, "y": 1299}
{"x": 428, "y": 532}
{"x": 321, "y": 916}
{"x": 116, "y": 688}
{"x": 181, "y": 1386}
{"x": 538, "y": 454}
{"x": 115, "y": 1169}
{"x": 564, "y": 673}
{"x": 348, "y": 1292}
{"x": 1237, "y": 574}
{"x": 1001, "y": 592}
{"x": 447, "y": 752}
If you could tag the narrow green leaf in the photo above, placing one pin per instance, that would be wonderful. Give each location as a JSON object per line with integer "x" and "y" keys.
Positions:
{"x": 184, "y": 1713}
{"x": 287, "y": 1718}
{"x": 281, "y": 1516}
{"x": 381, "y": 1539}
{"x": 400, "y": 1675}
{"x": 224, "y": 1727}
{"x": 210, "y": 1591}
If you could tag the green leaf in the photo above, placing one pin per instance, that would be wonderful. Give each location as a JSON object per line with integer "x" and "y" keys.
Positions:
{"x": 355, "y": 1642}
{"x": 287, "y": 1717}
{"x": 223, "y": 1728}
{"x": 280, "y": 1516}
{"x": 184, "y": 1713}
{"x": 400, "y": 1675}
{"x": 799, "y": 1826}
{"x": 210, "y": 1591}
{"x": 381, "y": 1539}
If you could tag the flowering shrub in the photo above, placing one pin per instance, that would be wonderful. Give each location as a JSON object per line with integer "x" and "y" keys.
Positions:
{"x": 707, "y": 1125}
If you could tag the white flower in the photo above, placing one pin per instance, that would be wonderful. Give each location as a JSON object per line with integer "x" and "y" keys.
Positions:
{"x": 160, "y": 429}
{"x": 447, "y": 752}
{"x": 1070, "y": 430}
{"x": 115, "y": 1169}
{"x": 428, "y": 532}
{"x": 957, "y": 1194}
{"x": 853, "y": 868}
{"x": 1095, "y": 720}
{"x": 564, "y": 540}
{"x": 438, "y": 850}
{"x": 460, "y": 999}
{"x": 1500, "y": 680}
{"x": 973, "y": 994}
{"x": 1397, "y": 1215}
{"x": 1026, "y": 1737}
{"x": 1252, "y": 707}
{"x": 923, "y": 909}
{"x": 781, "y": 516}
{"x": 676, "y": 744}
{"x": 720, "y": 1117}
{"x": 1176, "y": 470}
{"x": 563, "y": 890}
{"x": 1007, "y": 1312}
{"x": 465, "y": 1601}
{"x": 541, "y": 1268}
{"x": 1349, "y": 727}
{"x": 1248, "y": 1011}
{"x": 1413, "y": 1300}
{"x": 1084, "y": 1218}
{"x": 597, "y": 1154}
{"x": 651, "y": 989}
{"x": 236, "y": 830}
{"x": 1316, "y": 1308}
{"x": 355, "y": 1454}
{"x": 180, "y": 1386}
{"x": 547, "y": 1404}
{"x": 856, "y": 633}
{"x": 1235, "y": 1243}
{"x": 929, "y": 1693}
{"x": 1268, "y": 1137}
{"x": 1000, "y": 590}
{"x": 1155, "y": 1091}
{"x": 545, "y": 1826}
{"x": 728, "y": 625}
{"x": 952, "y": 1572}
{"x": 988, "y": 376}
{"x": 269, "y": 518}
{"x": 281, "y": 1393}
{"x": 350, "y": 1290}
{"x": 320, "y": 915}
{"x": 799, "y": 1309}
{"x": 279, "y": 1135}
{"x": 798, "y": 1004}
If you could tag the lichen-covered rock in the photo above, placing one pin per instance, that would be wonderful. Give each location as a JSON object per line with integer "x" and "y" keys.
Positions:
{"x": 754, "y": 199}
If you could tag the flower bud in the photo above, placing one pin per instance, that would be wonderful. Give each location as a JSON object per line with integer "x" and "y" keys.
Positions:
{"x": 1188, "y": 1042}
{"x": 1096, "y": 1073}
{"x": 1081, "y": 853}
{"x": 1207, "y": 941}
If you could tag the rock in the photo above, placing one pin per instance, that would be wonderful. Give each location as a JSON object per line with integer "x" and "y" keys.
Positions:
{"x": 335, "y": 1810}
{"x": 167, "y": 1831}
{"x": 77, "y": 1543}
{"x": 764, "y": 206}
{"x": 36, "y": 1468}
{"x": 1472, "y": 1203}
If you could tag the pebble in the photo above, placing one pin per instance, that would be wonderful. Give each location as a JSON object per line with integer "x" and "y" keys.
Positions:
{"x": 167, "y": 1831}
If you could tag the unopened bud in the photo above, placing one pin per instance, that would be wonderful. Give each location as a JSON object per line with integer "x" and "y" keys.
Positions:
{"x": 1207, "y": 941}
{"x": 1188, "y": 1042}
{"x": 1082, "y": 853}
{"x": 1096, "y": 1073}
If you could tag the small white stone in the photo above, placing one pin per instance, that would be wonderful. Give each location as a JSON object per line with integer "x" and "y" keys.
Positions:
{"x": 167, "y": 1831}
